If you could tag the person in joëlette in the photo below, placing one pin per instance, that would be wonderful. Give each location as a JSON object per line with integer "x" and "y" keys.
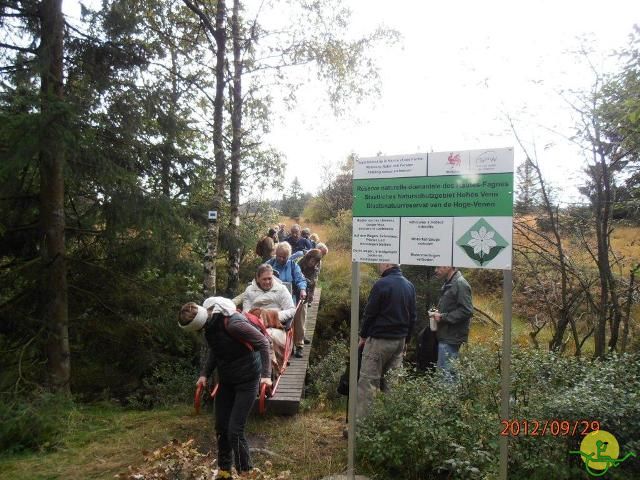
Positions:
{"x": 241, "y": 370}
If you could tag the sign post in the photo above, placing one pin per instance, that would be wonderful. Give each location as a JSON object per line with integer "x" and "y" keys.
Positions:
{"x": 353, "y": 371}
{"x": 437, "y": 209}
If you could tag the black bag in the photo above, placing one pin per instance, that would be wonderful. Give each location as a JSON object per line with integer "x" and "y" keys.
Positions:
{"x": 343, "y": 384}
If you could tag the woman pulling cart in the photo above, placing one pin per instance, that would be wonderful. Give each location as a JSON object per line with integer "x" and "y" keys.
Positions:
{"x": 241, "y": 371}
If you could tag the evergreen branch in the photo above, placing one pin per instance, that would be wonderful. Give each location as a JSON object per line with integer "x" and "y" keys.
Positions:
{"x": 17, "y": 48}
{"x": 95, "y": 297}
{"x": 185, "y": 79}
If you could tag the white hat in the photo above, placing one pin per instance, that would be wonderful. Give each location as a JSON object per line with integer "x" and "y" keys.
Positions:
{"x": 220, "y": 305}
{"x": 198, "y": 321}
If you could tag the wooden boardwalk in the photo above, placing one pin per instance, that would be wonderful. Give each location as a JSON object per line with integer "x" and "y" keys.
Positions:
{"x": 287, "y": 398}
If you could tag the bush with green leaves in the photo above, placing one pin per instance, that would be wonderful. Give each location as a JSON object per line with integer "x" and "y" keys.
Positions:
{"x": 324, "y": 373}
{"x": 342, "y": 230}
{"x": 428, "y": 428}
{"x": 549, "y": 386}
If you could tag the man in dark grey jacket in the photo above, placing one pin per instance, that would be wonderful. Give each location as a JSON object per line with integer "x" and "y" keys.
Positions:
{"x": 388, "y": 321}
{"x": 453, "y": 317}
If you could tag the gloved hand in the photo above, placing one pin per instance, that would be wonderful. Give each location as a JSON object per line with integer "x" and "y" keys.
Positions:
{"x": 266, "y": 381}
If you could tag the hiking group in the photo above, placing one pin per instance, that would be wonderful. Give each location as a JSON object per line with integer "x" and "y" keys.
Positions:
{"x": 251, "y": 337}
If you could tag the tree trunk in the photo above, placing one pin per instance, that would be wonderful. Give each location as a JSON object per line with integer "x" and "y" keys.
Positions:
{"x": 52, "y": 217}
{"x": 601, "y": 207}
{"x": 236, "y": 144}
{"x": 627, "y": 317}
{"x": 213, "y": 230}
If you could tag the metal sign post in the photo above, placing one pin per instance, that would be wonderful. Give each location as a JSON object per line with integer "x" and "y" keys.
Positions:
{"x": 505, "y": 368}
{"x": 353, "y": 367}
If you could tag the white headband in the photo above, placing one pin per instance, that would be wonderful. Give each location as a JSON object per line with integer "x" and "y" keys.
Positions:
{"x": 198, "y": 321}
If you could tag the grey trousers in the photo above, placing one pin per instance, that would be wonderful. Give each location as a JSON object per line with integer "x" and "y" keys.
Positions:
{"x": 380, "y": 355}
{"x": 298, "y": 325}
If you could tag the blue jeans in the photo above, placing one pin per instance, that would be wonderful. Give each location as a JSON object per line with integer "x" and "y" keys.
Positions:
{"x": 446, "y": 353}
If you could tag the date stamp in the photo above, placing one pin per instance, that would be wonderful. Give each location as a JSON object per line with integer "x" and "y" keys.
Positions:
{"x": 552, "y": 427}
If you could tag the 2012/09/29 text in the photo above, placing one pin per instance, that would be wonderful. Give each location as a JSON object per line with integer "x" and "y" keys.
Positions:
{"x": 554, "y": 427}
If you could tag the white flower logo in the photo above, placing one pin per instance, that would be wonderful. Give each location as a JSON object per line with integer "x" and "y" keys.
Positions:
{"x": 482, "y": 241}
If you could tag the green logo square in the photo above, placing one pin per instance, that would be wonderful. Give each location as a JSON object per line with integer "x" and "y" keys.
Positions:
{"x": 482, "y": 243}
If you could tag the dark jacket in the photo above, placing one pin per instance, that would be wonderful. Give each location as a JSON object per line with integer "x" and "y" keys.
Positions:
{"x": 300, "y": 245}
{"x": 264, "y": 248}
{"x": 234, "y": 361}
{"x": 456, "y": 308}
{"x": 391, "y": 309}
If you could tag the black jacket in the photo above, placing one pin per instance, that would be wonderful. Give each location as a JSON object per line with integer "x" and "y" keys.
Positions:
{"x": 391, "y": 309}
{"x": 233, "y": 359}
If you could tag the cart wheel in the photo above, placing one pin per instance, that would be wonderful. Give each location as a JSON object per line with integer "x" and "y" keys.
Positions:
{"x": 197, "y": 398}
{"x": 262, "y": 401}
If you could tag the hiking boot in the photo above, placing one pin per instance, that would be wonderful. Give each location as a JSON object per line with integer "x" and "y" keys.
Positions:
{"x": 306, "y": 341}
{"x": 298, "y": 352}
{"x": 223, "y": 475}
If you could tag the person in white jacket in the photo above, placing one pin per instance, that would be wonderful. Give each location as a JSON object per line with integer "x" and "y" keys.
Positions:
{"x": 266, "y": 292}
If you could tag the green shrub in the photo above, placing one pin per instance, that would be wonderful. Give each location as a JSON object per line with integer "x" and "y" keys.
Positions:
{"x": 549, "y": 386}
{"x": 34, "y": 424}
{"x": 324, "y": 373}
{"x": 425, "y": 427}
{"x": 341, "y": 233}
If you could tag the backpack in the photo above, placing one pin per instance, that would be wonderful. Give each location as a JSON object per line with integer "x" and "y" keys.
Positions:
{"x": 253, "y": 320}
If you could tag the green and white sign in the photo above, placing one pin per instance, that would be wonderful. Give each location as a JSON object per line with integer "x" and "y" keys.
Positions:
{"x": 444, "y": 208}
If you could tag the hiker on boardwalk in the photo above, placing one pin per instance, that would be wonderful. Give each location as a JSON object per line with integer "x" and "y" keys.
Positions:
{"x": 264, "y": 297}
{"x": 240, "y": 372}
{"x": 310, "y": 267}
{"x": 297, "y": 241}
{"x": 266, "y": 246}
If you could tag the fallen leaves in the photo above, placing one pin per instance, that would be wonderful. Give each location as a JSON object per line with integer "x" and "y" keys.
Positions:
{"x": 182, "y": 461}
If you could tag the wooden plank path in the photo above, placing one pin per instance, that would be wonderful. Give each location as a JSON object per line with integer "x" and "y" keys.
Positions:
{"x": 287, "y": 398}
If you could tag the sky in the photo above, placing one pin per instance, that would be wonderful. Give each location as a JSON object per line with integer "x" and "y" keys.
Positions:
{"x": 460, "y": 69}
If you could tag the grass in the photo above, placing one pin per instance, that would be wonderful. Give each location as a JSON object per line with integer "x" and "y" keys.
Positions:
{"x": 626, "y": 244}
{"x": 102, "y": 442}
{"x": 310, "y": 444}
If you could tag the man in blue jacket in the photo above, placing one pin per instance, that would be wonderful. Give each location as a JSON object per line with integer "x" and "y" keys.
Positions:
{"x": 387, "y": 324}
{"x": 297, "y": 241}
